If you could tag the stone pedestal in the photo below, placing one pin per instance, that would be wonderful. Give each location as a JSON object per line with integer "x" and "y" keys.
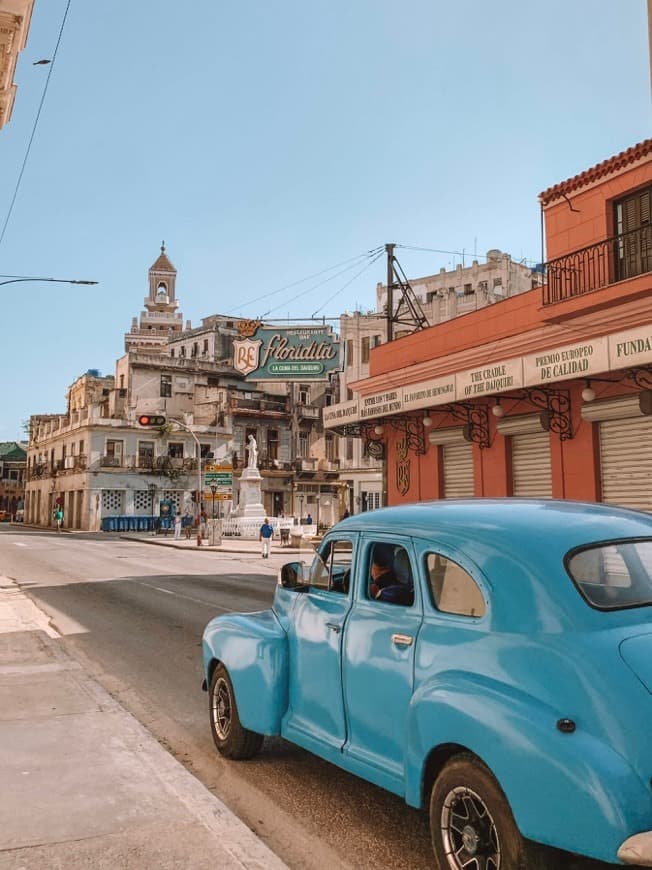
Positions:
{"x": 250, "y": 505}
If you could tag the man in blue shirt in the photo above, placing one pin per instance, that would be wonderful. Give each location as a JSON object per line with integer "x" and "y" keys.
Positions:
{"x": 265, "y": 537}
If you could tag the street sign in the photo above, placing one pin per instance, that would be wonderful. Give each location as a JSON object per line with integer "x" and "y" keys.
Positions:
{"x": 218, "y": 475}
{"x": 219, "y": 496}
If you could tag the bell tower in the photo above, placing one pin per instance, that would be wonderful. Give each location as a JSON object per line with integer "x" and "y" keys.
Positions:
{"x": 160, "y": 321}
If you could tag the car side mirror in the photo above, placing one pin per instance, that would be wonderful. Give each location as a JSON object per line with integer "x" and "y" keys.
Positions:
{"x": 294, "y": 575}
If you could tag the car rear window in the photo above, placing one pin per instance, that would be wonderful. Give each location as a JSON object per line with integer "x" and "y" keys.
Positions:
{"x": 613, "y": 574}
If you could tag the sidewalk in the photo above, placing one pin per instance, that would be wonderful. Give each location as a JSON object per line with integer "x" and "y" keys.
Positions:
{"x": 228, "y": 545}
{"x": 84, "y": 785}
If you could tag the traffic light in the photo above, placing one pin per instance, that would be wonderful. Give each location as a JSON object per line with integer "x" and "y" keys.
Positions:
{"x": 151, "y": 420}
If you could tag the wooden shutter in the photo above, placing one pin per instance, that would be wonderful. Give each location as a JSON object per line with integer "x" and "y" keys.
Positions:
{"x": 531, "y": 470}
{"x": 634, "y": 249}
{"x": 626, "y": 462}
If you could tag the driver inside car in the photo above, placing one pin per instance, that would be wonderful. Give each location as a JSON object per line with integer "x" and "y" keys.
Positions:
{"x": 385, "y": 585}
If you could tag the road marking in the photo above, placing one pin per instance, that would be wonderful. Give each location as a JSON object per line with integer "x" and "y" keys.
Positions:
{"x": 187, "y": 597}
{"x": 19, "y": 544}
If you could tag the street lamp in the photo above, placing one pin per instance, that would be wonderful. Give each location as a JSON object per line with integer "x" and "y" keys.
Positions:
{"x": 200, "y": 487}
{"x": 16, "y": 279}
{"x": 213, "y": 489}
{"x": 152, "y": 489}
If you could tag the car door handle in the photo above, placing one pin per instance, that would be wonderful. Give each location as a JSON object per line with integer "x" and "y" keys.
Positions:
{"x": 334, "y": 627}
{"x": 402, "y": 639}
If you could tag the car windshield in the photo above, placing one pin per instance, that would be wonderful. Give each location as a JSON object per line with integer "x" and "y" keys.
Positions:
{"x": 614, "y": 574}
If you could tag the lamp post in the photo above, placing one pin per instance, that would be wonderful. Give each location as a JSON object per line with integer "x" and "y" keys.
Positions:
{"x": 17, "y": 279}
{"x": 152, "y": 489}
{"x": 213, "y": 489}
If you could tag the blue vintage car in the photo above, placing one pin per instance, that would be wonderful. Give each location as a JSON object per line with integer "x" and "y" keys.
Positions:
{"x": 488, "y": 659}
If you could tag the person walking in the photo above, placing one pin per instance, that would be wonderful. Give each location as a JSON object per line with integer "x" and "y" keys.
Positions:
{"x": 265, "y": 537}
{"x": 177, "y": 527}
{"x": 58, "y": 517}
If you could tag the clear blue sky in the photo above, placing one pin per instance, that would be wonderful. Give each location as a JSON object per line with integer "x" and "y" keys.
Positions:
{"x": 268, "y": 141}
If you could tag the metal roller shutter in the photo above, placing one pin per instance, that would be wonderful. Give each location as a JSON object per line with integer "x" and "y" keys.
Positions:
{"x": 626, "y": 462}
{"x": 458, "y": 470}
{"x": 531, "y": 471}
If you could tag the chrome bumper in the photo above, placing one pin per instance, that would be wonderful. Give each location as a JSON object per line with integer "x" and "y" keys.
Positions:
{"x": 637, "y": 850}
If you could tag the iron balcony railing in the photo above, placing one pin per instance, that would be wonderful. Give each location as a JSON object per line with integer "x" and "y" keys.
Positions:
{"x": 607, "y": 262}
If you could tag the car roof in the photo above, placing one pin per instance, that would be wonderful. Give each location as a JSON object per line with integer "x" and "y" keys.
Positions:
{"x": 507, "y": 519}
{"x": 518, "y": 544}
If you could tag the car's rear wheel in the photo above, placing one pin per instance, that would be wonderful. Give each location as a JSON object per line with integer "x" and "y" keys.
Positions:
{"x": 231, "y": 738}
{"x": 471, "y": 823}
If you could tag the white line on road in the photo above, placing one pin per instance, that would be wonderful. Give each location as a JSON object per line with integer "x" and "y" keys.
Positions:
{"x": 187, "y": 597}
{"x": 19, "y": 544}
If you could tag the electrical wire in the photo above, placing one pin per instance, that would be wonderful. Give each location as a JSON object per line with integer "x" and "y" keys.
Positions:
{"x": 319, "y": 284}
{"x": 330, "y": 299}
{"x": 458, "y": 253}
{"x": 352, "y": 260}
{"x": 38, "y": 115}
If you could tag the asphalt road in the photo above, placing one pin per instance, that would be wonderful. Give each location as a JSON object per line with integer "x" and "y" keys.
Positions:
{"x": 134, "y": 615}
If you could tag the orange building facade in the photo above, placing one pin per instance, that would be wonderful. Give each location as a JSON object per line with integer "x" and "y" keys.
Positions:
{"x": 545, "y": 394}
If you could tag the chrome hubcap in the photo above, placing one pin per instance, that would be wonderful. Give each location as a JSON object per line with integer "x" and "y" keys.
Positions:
{"x": 221, "y": 708}
{"x": 468, "y": 832}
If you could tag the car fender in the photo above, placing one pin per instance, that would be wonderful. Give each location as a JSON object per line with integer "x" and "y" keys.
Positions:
{"x": 548, "y": 776}
{"x": 253, "y": 648}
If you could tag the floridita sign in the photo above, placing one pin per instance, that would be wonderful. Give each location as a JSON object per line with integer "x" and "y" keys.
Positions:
{"x": 581, "y": 360}
{"x": 305, "y": 353}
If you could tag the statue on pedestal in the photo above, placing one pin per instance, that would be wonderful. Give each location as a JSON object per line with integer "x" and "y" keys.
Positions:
{"x": 252, "y": 449}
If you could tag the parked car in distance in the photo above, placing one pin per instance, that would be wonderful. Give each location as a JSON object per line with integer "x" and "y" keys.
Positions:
{"x": 490, "y": 660}
{"x": 4, "y": 516}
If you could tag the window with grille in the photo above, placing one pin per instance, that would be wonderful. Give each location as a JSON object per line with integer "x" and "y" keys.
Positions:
{"x": 142, "y": 501}
{"x": 634, "y": 245}
{"x": 302, "y": 444}
{"x": 112, "y": 500}
{"x": 175, "y": 450}
{"x": 166, "y": 385}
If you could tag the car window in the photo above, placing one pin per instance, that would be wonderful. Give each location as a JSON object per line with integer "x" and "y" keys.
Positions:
{"x": 331, "y": 567}
{"x": 390, "y": 574}
{"x": 613, "y": 575}
{"x": 452, "y": 589}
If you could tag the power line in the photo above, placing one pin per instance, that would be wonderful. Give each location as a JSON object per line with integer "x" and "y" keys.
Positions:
{"x": 326, "y": 281}
{"x": 459, "y": 253}
{"x": 38, "y": 115}
{"x": 354, "y": 260}
{"x": 370, "y": 263}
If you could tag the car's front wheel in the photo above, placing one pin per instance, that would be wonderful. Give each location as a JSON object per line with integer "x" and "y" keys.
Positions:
{"x": 471, "y": 823}
{"x": 232, "y": 739}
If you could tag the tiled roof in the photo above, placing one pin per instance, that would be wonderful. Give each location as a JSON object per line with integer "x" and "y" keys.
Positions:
{"x": 613, "y": 164}
{"x": 11, "y": 450}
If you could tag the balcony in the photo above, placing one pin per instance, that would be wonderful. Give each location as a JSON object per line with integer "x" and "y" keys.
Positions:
{"x": 308, "y": 412}
{"x": 607, "y": 262}
{"x": 238, "y": 405}
{"x": 110, "y": 461}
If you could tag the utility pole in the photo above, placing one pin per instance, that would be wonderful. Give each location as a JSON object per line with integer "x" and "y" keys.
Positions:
{"x": 390, "y": 291}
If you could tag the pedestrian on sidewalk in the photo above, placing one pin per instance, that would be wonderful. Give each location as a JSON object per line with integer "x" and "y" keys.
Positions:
{"x": 188, "y": 525}
{"x": 58, "y": 518}
{"x": 265, "y": 537}
{"x": 177, "y": 527}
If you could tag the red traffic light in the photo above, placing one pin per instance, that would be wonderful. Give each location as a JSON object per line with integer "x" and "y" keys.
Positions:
{"x": 151, "y": 420}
